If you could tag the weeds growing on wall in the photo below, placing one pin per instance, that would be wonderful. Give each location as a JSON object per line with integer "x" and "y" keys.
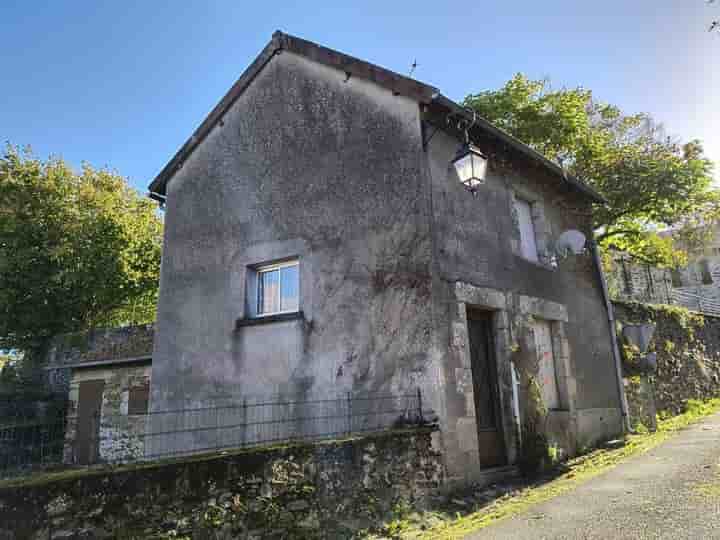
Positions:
{"x": 535, "y": 451}
{"x": 687, "y": 345}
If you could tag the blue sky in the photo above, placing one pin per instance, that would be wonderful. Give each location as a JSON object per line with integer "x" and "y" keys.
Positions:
{"x": 123, "y": 84}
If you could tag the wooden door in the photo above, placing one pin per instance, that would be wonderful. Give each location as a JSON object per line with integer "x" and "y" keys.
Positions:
{"x": 90, "y": 395}
{"x": 485, "y": 389}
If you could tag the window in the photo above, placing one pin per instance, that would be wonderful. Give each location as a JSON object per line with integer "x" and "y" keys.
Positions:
{"x": 278, "y": 287}
{"x": 547, "y": 377}
{"x": 138, "y": 397}
{"x": 528, "y": 245}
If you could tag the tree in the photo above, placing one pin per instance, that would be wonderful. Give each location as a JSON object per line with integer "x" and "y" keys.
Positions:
{"x": 77, "y": 250}
{"x": 651, "y": 181}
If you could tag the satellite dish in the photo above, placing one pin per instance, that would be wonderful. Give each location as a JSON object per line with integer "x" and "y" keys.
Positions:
{"x": 570, "y": 242}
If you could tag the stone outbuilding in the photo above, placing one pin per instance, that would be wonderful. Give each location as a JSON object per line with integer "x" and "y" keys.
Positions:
{"x": 108, "y": 373}
{"x": 319, "y": 242}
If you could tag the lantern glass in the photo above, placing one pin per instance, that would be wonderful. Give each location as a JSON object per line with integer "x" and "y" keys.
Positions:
{"x": 471, "y": 167}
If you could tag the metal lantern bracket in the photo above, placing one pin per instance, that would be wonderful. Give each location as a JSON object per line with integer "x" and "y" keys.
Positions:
{"x": 463, "y": 124}
{"x": 469, "y": 162}
{"x": 458, "y": 121}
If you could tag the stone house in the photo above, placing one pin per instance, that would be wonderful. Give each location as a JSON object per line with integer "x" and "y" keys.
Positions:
{"x": 318, "y": 242}
{"x": 108, "y": 384}
{"x": 702, "y": 274}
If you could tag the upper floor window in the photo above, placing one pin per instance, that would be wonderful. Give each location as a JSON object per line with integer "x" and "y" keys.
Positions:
{"x": 278, "y": 287}
{"x": 528, "y": 244}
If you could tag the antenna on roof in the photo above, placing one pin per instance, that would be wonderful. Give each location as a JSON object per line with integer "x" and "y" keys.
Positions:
{"x": 412, "y": 68}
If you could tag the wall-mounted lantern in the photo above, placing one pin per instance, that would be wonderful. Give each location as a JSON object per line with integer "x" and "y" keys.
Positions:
{"x": 469, "y": 163}
{"x": 471, "y": 167}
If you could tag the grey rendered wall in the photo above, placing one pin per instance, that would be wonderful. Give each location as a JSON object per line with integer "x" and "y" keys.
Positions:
{"x": 476, "y": 264}
{"x": 305, "y": 164}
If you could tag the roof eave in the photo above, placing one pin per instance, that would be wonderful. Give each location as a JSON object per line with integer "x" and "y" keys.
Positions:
{"x": 521, "y": 147}
{"x": 157, "y": 186}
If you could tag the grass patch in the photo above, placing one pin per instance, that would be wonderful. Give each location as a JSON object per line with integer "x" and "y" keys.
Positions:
{"x": 576, "y": 472}
{"x": 710, "y": 490}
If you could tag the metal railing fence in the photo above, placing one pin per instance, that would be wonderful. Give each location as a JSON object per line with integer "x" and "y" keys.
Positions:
{"x": 26, "y": 443}
{"x": 124, "y": 438}
{"x": 696, "y": 302}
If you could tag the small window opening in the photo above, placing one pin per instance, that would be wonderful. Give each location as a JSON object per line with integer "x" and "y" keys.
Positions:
{"x": 138, "y": 398}
{"x": 278, "y": 287}
{"x": 528, "y": 244}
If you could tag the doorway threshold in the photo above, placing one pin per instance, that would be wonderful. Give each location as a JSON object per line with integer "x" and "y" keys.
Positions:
{"x": 497, "y": 474}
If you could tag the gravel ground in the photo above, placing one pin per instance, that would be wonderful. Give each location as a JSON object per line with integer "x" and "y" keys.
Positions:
{"x": 671, "y": 492}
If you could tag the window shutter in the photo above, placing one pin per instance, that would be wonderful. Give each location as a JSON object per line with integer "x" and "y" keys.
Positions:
{"x": 528, "y": 247}
{"x": 138, "y": 398}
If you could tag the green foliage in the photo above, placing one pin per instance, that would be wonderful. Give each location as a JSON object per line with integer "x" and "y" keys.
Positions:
{"x": 77, "y": 250}
{"x": 650, "y": 180}
{"x": 683, "y": 317}
{"x": 535, "y": 454}
{"x": 9, "y": 376}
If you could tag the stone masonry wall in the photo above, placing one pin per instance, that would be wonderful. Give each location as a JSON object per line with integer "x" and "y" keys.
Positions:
{"x": 688, "y": 355}
{"x": 96, "y": 345}
{"x": 326, "y": 490}
{"x": 102, "y": 344}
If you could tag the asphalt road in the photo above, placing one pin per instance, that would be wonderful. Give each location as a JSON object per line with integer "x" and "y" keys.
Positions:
{"x": 671, "y": 492}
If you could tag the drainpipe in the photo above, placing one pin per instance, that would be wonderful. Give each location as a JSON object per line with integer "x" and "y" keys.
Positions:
{"x": 613, "y": 336}
{"x": 159, "y": 197}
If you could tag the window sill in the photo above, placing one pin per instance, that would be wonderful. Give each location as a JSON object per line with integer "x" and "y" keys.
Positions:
{"x": 267, "y": 319}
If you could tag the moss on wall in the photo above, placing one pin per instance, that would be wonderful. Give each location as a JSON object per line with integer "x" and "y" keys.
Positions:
{"x": 327, "y": 490}
{"x": 687, "y": 345}
{"x": 102, "y": 344}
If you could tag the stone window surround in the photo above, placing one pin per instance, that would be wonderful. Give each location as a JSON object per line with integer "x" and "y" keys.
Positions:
{"x": 541, "y": 226}
{"x": 501, "y": 304}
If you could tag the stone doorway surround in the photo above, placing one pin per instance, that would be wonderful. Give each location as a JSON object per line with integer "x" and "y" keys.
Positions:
{"x": 511, "y": 312}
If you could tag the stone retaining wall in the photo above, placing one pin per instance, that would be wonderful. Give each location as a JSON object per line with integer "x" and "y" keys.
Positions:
{"x": 325, "y": 490}
{"x": 687, "y": 345}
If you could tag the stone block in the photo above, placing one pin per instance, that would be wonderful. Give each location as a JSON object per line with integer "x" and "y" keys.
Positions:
{"x": 480, "y": 296}
{"x": 467, "y": 434}
{"x": 544, "y": 309}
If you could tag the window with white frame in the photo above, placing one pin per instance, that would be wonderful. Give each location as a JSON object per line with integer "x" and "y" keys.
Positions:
{"x": 528, "y": 244}
{"x": 278, "y": 288}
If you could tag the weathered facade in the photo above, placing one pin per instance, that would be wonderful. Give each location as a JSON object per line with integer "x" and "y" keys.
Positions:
{"x": 405, "y": 280}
